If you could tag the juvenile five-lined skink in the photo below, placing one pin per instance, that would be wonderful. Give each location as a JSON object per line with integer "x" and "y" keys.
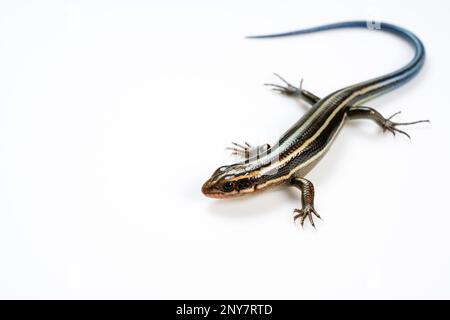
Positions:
{"x": 306, "y": 142}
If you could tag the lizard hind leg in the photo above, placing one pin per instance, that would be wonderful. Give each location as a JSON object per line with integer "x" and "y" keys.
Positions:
{"x": 293, "y": 91}
{"x": 385, "y": 123}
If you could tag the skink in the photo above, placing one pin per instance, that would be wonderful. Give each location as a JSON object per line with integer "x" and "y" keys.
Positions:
{"x": 306, "y": 142}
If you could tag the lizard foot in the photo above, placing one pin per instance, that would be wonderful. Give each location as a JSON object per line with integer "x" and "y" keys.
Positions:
{"x": 288, "y": 90}
{"x": 248, "y": 150}
{"x": 307, "y": 211}
{"x": 391, "y": 126}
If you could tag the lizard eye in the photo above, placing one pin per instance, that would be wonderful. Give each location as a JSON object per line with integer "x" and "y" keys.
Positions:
{"x": 228, "y": 186}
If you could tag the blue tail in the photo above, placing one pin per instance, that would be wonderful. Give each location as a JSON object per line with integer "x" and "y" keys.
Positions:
{"x": 397, "y": 77}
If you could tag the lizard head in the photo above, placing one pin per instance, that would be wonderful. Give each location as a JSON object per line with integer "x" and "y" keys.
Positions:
{"x": 229, "y": 181}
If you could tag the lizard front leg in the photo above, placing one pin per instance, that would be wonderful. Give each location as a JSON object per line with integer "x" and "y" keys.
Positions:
{"x": 248, "y": 151}
{"x": 307, "y": 210}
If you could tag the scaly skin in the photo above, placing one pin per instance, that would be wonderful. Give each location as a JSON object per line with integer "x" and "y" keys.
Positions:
{"x": 306, "y": 142}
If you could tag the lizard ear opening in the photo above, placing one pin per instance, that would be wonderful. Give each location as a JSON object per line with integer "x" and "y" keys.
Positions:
{"x": 244, "y": 183}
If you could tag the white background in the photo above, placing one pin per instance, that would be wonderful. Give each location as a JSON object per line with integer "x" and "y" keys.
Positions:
{"x": 113, "y": 114}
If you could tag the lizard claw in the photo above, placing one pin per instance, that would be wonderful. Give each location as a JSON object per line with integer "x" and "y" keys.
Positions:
{"x": 391, "y": 126}
{"x": 307, "y": 211}
{"x": 288, "y": 89}
{"x": 248, "y": 150}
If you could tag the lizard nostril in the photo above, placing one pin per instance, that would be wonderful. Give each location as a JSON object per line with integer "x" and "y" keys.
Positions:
{"x": 205, "y": 188}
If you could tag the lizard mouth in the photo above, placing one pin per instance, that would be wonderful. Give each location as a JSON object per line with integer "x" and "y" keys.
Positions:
{"x": 211, "y": 192}
{"x": 208, "y": 191}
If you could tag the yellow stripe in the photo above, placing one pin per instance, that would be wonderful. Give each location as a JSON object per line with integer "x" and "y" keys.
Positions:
{"x": 318, "y": 132}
